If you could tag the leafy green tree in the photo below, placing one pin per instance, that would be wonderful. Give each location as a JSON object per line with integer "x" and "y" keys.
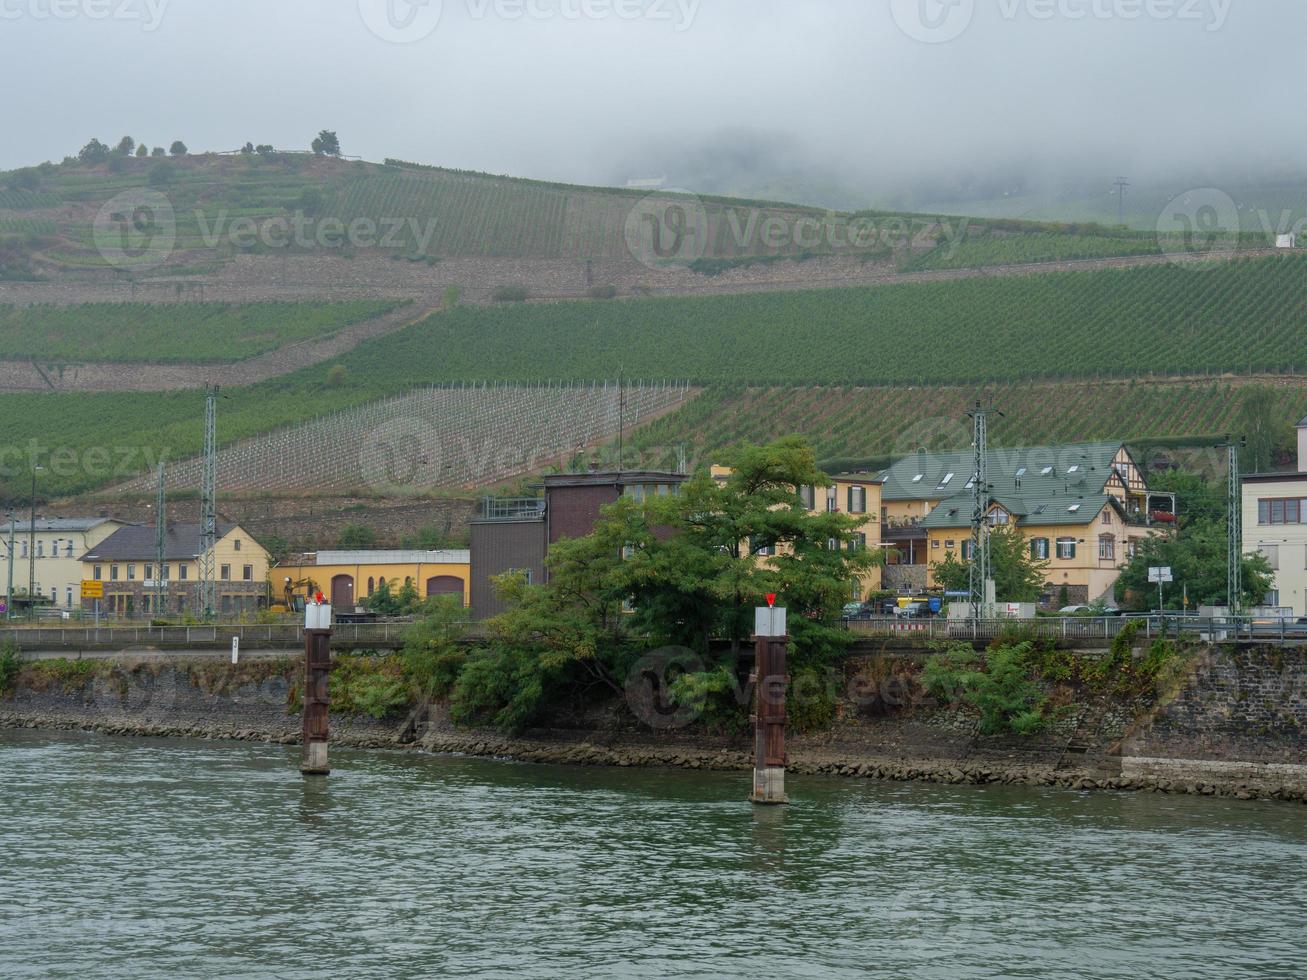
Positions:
{"x": 178, "y": 149}
{"x": 247, "y": 149}
{"x": 382, "y": 601}
{"x": 1197, "y": 559}
{"x": 407, "y": 600}
{"x": 142, "y": 151}
{"x": 327, "y": 144}
{"x": 357, "y": 537}
{"x": 675, "y": 569}
{"x": 158, "y": 151}
{"x": 1199, "y": 499}
{"x": 126, "y": 146}
{"x": 1018, "y": 575}
{"x": 706, "y": 579}
{"x": 94, "y": 152}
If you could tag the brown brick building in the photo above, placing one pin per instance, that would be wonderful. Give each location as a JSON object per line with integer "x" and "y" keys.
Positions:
{"x": 515, "y": 534}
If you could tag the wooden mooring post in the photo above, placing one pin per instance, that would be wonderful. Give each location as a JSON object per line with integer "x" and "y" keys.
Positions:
{"x": 317, "y": 698}
{"x": 770, "y": 681}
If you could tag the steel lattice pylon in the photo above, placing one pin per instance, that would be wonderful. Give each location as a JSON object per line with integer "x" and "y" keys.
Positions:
{"x": 207, "y": 586}
{"x": 160, "y": 552}
{"x": 1234, "y": 533}
{"x": 981, "y": 569}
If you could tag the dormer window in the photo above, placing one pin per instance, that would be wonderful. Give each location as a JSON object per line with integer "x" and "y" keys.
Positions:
{"x": 917, "y": 478}
{"x": 948, "y": 478}
{"x": 1074, "y": 469}
{"x": 1046, "y": 471}
{"x": 1021, "y": 472}
{"x": 1074, "y": 508}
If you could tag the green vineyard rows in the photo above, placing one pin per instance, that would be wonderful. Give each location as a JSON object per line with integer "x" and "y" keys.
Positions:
{"x": 196, "y": 332}
{"x": 875, "y": 423}
{"x": 1164, "y": 319}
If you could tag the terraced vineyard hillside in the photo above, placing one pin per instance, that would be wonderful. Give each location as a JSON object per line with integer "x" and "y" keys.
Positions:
{"x": 1245, "y": 316}
{"x": 849, "y": 424}
{"x": 1166, "y": 319}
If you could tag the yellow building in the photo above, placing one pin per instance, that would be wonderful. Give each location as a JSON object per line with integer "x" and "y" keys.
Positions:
{"x": 127, "y": 565}
{"x": 1086, "y": 541}
{"x": 349, "y": 577}
{"x": 1083, "y": 506}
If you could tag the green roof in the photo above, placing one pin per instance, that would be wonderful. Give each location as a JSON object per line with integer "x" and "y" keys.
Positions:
{"x": 1058, "y": 511}
{"x": 1072, "y": 470}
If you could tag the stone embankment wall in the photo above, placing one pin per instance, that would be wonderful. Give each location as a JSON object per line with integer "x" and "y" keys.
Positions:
{"x": 882, "y": 731}
{"x": 1241, "y": 715}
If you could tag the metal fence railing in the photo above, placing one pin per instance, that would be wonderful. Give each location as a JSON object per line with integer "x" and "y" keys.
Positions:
{"x": 1229, "y": 629}
{"x": 283, "y": 636}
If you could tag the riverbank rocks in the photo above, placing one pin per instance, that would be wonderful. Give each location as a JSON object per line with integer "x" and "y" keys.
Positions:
{"x": 628, "y": 752}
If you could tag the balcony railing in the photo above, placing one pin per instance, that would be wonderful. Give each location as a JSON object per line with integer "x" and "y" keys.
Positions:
{"x": 512, "y": 508}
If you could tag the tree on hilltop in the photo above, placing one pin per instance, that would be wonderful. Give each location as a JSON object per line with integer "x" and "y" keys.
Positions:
{"x": 178, "y": 149}
{"x": 327, "y": 144}
{"x": 126, "y": 146}
{"x": 93, "y": 152}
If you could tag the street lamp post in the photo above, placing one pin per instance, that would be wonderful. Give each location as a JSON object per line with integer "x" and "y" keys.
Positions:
{"x": 31, "y": 548}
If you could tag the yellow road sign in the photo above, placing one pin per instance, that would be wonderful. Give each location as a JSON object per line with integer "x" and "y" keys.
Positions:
{"x": 92, "y": 590}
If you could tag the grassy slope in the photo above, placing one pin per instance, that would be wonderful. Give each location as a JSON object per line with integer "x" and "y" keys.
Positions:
{"x": 196, "y": 332}
{"x": 469, "y": 214}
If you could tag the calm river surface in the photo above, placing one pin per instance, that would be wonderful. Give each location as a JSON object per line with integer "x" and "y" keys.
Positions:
{"x": 131, "y": 858}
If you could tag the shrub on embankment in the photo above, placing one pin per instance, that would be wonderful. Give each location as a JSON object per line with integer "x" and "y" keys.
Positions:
{"x": 1020, "y": 685}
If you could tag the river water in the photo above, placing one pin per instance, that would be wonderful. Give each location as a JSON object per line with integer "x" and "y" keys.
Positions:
{"x": 177, "y": 858}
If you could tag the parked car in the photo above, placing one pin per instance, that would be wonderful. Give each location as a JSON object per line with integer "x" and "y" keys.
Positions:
{"x": 1089, "y": 611}
{"x": 913, "y": 610}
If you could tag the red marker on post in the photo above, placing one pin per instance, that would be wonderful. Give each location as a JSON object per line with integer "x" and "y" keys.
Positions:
{"x": 771, "y": 600}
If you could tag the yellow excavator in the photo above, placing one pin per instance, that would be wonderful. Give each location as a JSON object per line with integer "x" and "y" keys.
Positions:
{"x": 294, "y": 595}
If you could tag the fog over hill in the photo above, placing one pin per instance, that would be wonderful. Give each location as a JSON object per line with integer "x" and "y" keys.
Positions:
{"x": 846, "y": 103}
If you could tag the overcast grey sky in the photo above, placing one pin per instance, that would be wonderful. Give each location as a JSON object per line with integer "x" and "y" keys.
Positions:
{"x": 602, "y": 90}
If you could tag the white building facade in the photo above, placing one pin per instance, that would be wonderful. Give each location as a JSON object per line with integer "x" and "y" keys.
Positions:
{"x": 1275, "y": 525}
{"x": 52, "y": 556}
